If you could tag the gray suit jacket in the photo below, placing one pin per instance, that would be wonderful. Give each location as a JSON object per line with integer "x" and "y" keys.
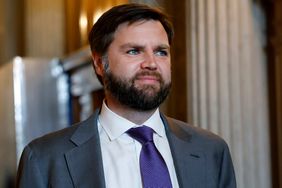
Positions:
{"x": 72, "y": 158}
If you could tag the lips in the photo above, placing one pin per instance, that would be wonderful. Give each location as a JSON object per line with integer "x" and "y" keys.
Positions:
{"x": 148, "y": 76}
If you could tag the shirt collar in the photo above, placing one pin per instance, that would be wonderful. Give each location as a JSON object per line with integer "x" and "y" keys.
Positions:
{"x": 115, "y": 125}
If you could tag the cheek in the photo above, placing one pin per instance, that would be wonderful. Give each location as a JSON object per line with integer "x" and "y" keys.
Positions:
{"x": 124, "y": 71}
{"x": 168, "y": 77}
{"x": 166, "y": 69}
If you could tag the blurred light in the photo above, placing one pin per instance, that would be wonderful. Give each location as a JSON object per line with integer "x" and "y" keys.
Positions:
{"x": 18, "y": 69}
{"x": 83, "y": 22}
{"x": 56, "y": 68}
{"x": 97, "y": 15}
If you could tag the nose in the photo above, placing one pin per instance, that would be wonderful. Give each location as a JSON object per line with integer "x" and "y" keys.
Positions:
{"x": 149, "y": 61}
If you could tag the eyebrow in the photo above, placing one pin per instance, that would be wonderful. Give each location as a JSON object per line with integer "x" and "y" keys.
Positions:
{"x": 132, "y": 45}
{"x": 135, "y": 45}
{"x": 163, "y": 46}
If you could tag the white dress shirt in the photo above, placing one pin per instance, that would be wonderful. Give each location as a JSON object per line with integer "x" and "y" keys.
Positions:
{"x": 120, "y": 152}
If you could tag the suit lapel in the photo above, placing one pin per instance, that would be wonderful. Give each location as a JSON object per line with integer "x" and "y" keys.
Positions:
{"x": 85, "y": 160}
{"x": 189, "y": 162}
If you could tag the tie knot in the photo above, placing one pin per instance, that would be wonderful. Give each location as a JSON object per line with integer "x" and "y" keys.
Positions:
{"x": 142, "y": 134}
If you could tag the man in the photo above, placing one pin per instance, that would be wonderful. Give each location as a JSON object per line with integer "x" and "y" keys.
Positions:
{"x": 128, "y": 143}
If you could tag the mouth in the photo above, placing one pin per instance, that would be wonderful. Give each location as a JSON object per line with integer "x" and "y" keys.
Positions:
{"x": 148, "y": 78}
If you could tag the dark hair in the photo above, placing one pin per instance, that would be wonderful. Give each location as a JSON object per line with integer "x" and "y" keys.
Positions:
{"x": 102, "y": 33}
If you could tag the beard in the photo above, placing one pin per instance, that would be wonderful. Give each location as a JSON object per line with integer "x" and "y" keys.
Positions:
{"x": 141, "y": 98}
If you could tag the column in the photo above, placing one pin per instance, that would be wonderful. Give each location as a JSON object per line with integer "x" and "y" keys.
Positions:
{"x": 227, "y": 71}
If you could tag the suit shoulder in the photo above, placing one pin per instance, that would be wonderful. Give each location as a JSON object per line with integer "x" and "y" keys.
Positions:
{"x": 65, "y": 139}
{"x": 53, "y": 141}
{"x": 196, "y": 134}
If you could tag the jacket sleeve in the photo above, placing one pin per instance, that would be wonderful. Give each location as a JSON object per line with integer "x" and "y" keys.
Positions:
{"x": 227, "y": 175}
{"x": 28, "y": 174}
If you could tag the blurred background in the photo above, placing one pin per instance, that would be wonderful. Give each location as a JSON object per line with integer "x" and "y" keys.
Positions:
{"x": 226, "y": 75}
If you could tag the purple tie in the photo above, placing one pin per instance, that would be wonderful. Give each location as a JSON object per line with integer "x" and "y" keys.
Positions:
{"x": 154, "y": 171}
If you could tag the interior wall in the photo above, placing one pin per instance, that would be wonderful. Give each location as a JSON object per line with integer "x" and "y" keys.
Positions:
{"x": 44, "y": 28}
{"x": 274, "y": 50}
{"x": 11, "y": 29}
{"x": 177, "y": 101}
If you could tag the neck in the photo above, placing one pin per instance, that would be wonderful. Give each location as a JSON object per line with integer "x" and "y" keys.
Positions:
{"x": 136, "y": 116}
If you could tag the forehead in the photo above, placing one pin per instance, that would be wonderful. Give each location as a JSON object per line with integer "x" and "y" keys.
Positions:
{"x": 141, "y": 30}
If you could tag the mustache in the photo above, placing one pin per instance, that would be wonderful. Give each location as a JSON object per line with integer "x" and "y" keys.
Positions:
{"x": 148, "y": 73}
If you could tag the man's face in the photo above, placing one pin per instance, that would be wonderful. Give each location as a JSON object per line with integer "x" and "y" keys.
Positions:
{"x": 138, "y": 72}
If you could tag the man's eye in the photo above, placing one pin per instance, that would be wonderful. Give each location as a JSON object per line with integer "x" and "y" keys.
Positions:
{"x": 161, "y": 53}
{"x": 133, "y": 52}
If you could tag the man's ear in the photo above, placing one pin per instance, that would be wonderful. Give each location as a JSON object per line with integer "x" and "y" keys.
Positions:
{"x": 97, "y": 63}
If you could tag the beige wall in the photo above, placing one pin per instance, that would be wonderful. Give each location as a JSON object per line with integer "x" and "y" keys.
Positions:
{"x": 11, "y": 29}
{"x": 44, "y": 28}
